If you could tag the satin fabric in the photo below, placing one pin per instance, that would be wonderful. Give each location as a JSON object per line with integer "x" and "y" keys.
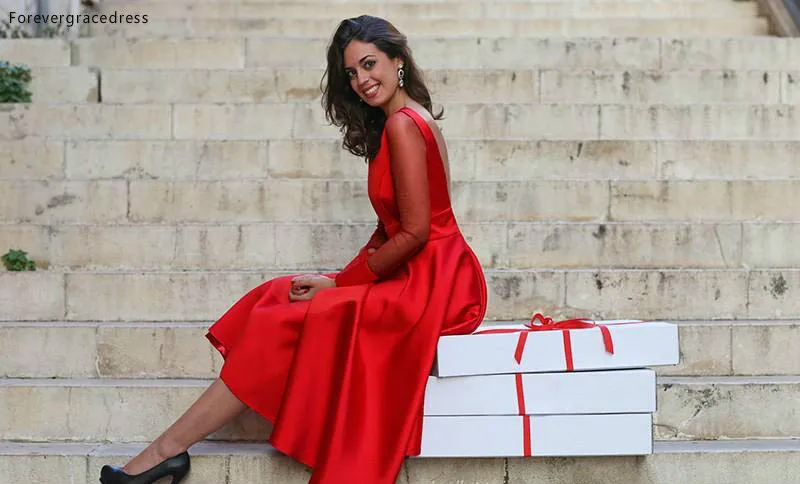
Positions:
{"x": 342, "y": 376}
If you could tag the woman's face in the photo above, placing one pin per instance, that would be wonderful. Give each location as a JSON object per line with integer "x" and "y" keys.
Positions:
{"x": 372, "y": 74}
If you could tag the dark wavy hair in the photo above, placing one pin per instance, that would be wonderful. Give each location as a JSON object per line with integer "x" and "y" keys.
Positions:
{"x": 361, "y": 123}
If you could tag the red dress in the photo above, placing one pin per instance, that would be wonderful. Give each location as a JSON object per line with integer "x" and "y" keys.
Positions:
{"x": 342, "y": 376}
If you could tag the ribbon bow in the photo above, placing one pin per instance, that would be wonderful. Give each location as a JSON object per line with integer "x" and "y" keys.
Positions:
{"x": 547, "y": 324}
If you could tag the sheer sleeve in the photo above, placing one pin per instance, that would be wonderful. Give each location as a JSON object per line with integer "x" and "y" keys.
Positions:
{"x": 378, "y": 238}
{"x": 408, "y": 162}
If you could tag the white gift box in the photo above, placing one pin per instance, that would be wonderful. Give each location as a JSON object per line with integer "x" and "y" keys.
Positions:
{"x": 537, "y": 435}
{"x": 636, "y": 344}
{"x": 619, "y": 391}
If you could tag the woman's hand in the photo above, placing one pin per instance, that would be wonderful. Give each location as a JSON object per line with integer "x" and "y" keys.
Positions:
{"x": 306, "y": 286}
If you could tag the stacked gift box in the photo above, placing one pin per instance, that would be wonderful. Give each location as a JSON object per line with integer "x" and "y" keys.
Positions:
{"x": 567, "y": 388}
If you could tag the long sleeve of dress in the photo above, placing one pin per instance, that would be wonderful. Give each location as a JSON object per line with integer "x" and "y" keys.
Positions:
{"x": 408, "y": 162}
{"x": 378, "y": 238}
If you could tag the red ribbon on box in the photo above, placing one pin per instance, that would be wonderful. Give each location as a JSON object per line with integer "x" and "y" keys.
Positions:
{"x": 547, "y": 324}
{"x": 526, "y": 419}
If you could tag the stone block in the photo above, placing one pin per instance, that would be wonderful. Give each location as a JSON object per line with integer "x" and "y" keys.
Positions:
{"x": 657, "y": 294}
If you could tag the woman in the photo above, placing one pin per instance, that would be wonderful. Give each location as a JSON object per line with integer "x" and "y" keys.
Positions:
{"x": 338, "y": 362}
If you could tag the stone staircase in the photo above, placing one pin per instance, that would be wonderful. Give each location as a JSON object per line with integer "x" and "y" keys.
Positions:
{"x": 612, "y": 159}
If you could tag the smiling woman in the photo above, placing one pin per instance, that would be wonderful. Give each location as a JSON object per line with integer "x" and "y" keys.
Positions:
{"x": 368, "y": 52}
{"x": 339, "y": 362}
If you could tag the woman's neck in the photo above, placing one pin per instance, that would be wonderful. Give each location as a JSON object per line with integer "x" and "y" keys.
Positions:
{"x": 397, "y": 102}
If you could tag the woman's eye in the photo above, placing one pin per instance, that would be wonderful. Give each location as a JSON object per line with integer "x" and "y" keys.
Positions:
{"x": 369, "y": 63}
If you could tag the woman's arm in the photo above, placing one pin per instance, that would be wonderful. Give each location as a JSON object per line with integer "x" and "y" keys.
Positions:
{"x": 409, "y": 167}
{"x": 378, "y": 238}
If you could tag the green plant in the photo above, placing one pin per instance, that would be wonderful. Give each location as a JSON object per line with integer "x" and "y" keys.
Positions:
{"x": 14, "y": 82}
{"x": 17, "y": 260}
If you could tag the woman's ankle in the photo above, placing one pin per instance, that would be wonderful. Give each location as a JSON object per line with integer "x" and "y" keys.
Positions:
{"x": 167, "y": 448}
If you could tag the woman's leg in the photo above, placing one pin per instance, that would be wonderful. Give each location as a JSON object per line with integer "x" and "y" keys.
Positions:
{"x": 215, "y": 407}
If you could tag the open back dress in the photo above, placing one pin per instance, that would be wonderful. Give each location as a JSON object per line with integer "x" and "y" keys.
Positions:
{"x": 342, "y": 376}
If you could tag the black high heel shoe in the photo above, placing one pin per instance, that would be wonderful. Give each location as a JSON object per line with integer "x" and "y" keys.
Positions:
{"x": 177, "y": 467}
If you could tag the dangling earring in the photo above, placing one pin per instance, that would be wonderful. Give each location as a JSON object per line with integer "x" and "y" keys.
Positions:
{"x": 401, "y": 74}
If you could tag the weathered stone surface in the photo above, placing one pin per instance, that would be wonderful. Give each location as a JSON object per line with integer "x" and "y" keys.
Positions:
{"x": 192, "y": 27}
{"x": 36, "y": 52}
{"x": 31, "y": 296}
{"x": 26, "y": 467}
{"x": 705, "y": 350}
{"x": 513, "y": 294}
{"x": 31, "y": 158}
{"x": 65, "y": 85}
{"x": 696, "y": 122}
{"x": 736, "y": 462}
{"x": 518, "y": 294}
{"x": 734, "y": 53}
{"x": 770, "y": 244}
{"x": 439, "y": 10}
{"x": 63, "y": 201}
{"x": 728, "y": 160}
{"x": 693, "y": 408}
{"x": 86, "y": 121}
{"x": 645, "y": 245}
{"x": 657, "y": 294}
{"x": 234, "y": 121}
{"x": 180, "y": 350}
{"x": 773, "y": 294}
{"x": 155, "y": 297}
{"x": 117, "y": 247}
{"x": 705, "y": 200}
{"x": 480, "y": 159}
{"x": 249, "y": 201}
{"x": 485, "y": 52}
{"x": 705, "y": 466}
{"x": 160, "y": 53}
{"x": 32, "y": 239}
{"x": 791, "y": 87}
{"x": 661, "y": 87}
{"x": 766, "y": 349}
{"x": 173, "y": 159}
{"x": 727, "y": 408}
{"x": 63, "y": 351}
{"x": 187, "y": 86}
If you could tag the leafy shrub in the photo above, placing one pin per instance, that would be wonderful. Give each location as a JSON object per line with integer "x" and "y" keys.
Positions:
{"x": 14, "y": 83}
{"x": 17, "y": 260}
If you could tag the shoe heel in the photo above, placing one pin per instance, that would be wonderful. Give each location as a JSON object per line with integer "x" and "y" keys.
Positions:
{"x": 178, "y": 477}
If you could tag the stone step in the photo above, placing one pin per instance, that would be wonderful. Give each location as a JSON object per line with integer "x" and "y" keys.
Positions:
{"x": 305, "y": 201}
{"x": 257, "y": 85}
{"x": 689, "y": 408}
{"x": 36, "y": 52}
{"x": 730, "y": 462}
{"x": 65, "y": 85}
{"x": 304, "y": 246}
{"x": 157, "y": 11}
{"x": 480, "y": 159}
{"x": 512, "y": 294}
{"x": 371, "y": 4}
{"x": 546, "y": 121}
{"x": 768, "y": 53}
{"x": 414, "y": 27}
{"x": 180, "y": 350}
